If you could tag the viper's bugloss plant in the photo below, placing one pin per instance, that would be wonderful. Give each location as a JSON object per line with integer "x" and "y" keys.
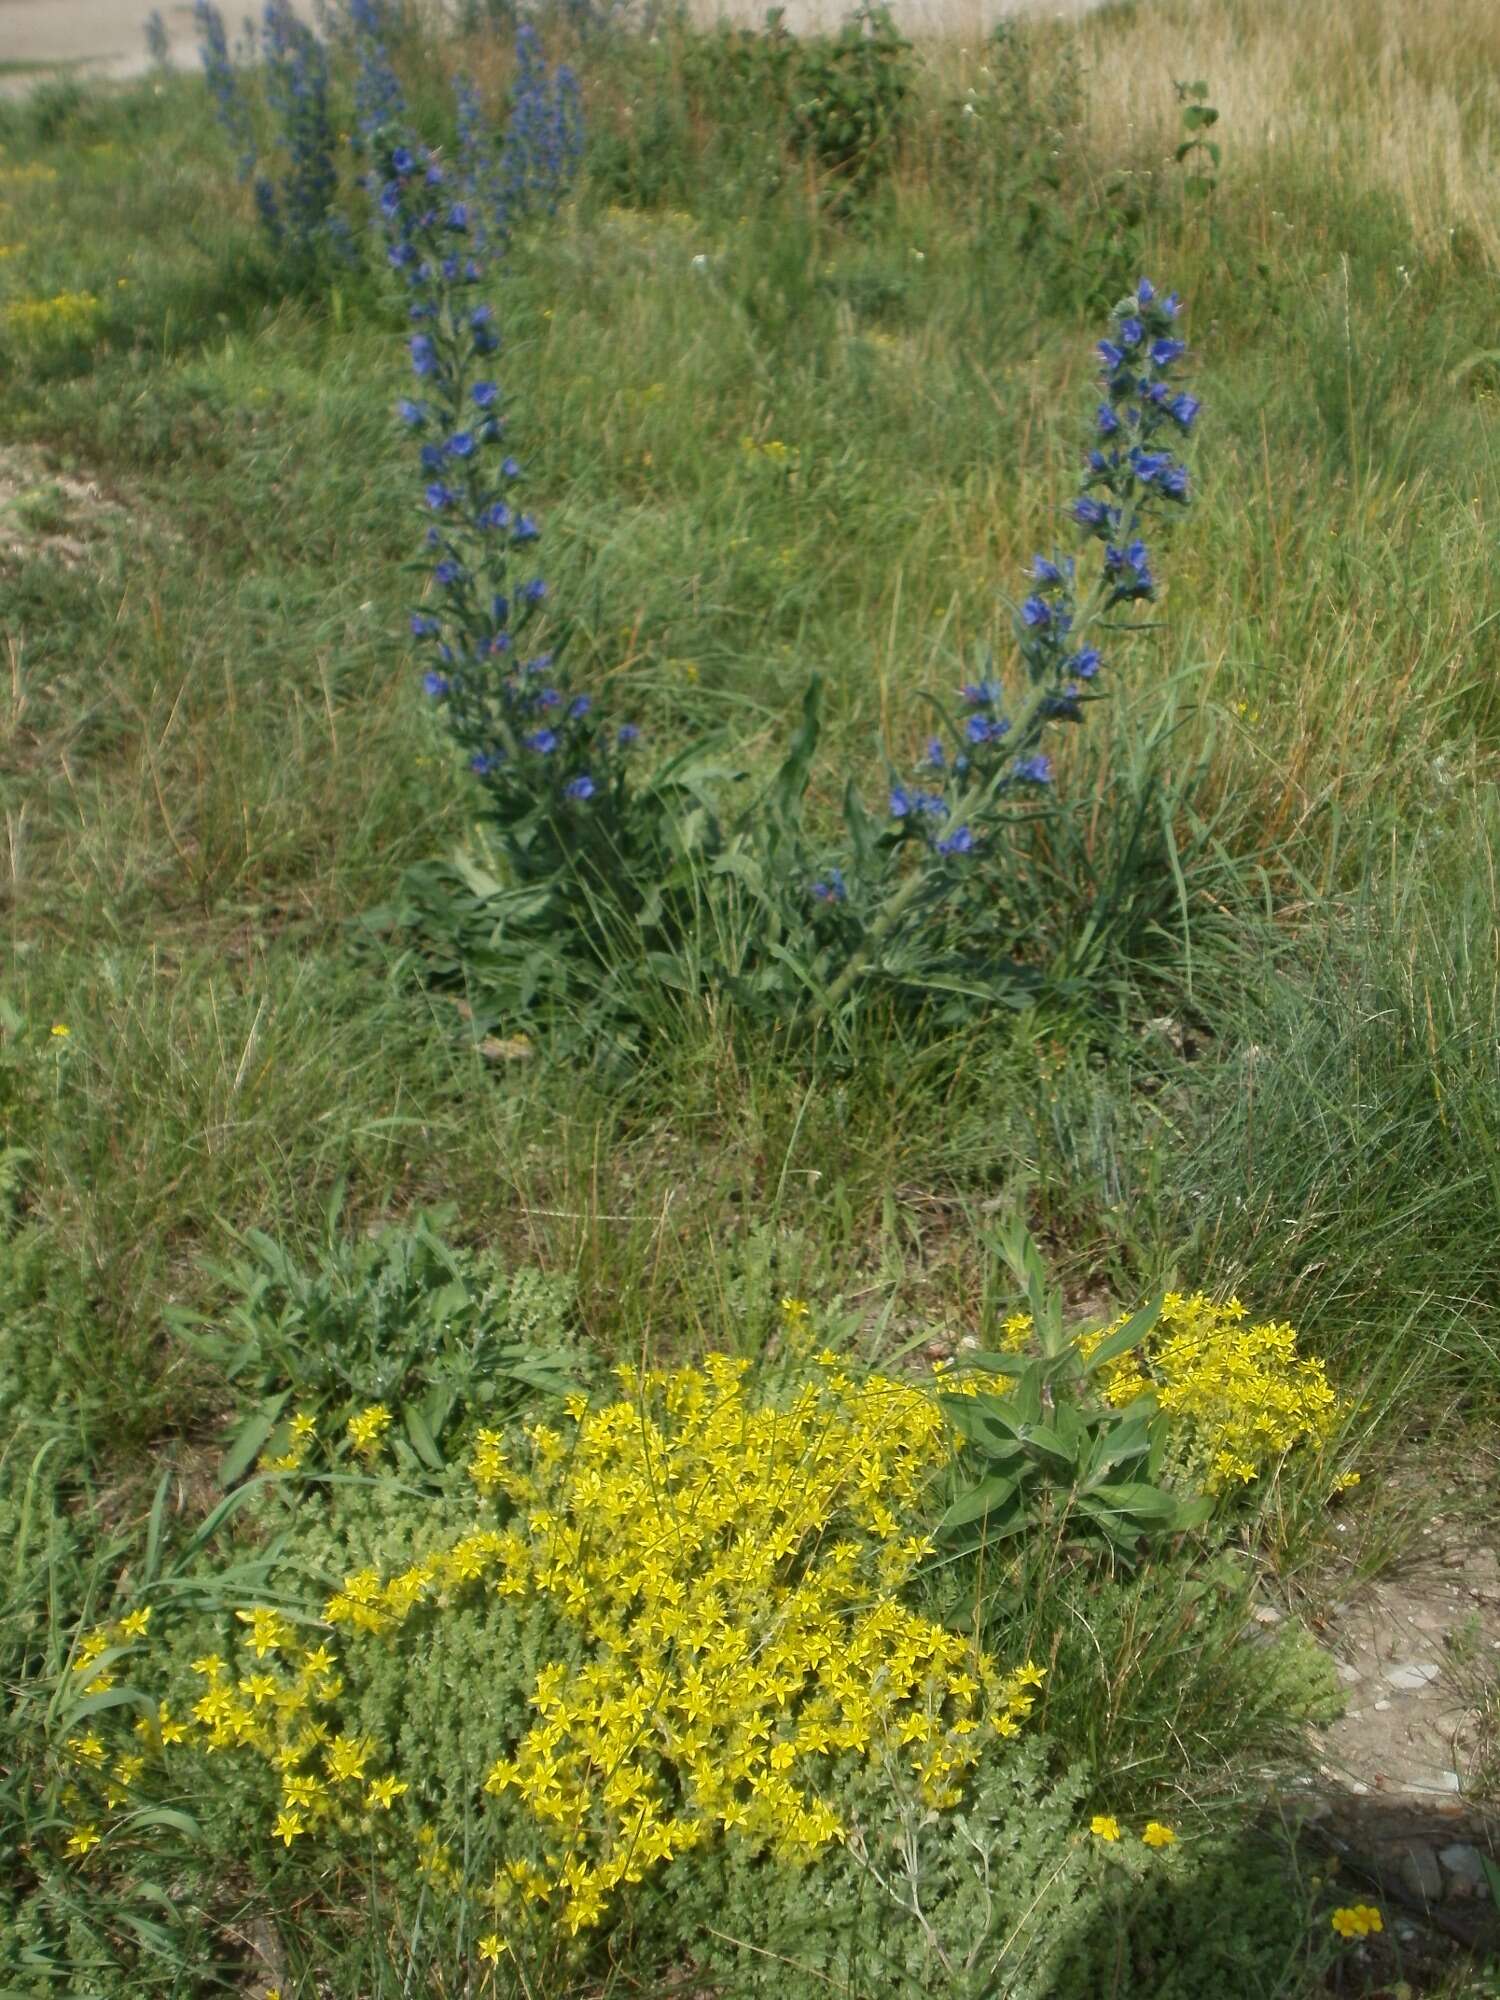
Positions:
{"x": 298, "y": 209}
{"x": 231, "y": 107}
{"x": 524, "y": 170}
{"x": 540, "y": 755}
{"x": 158, "y": 42}
{"x": 916, "y": 900}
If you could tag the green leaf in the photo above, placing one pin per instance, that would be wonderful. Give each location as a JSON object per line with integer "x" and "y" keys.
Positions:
{"x": 994, "y": 1363}
{"x": 423, "y": 1443}
{"x": 791, "y": 780}
{"x": 1131, "y": 1334}
{"x": 987, "y": 1498}
{"x": 1043, "y": 1439}
{"x": 250, "y": 1440}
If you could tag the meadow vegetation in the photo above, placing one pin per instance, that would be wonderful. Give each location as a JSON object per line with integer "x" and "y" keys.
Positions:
{"x": 522, "y": 1482}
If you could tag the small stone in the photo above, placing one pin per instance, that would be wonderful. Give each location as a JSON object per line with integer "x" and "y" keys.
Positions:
{"x": 1417, "y": 1674}
{"x": 1381, "y": 1707}
{"x": 1347, "y": 1674}
{"x": 1422, "y": 1875}
{"x": 1266, "y": 1614}
{"x": 1437, "y": 1782}
{"x": 1463, "y": 1862}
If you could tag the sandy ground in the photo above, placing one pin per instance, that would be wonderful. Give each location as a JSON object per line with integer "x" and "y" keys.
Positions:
{"x": 106, "y": 37}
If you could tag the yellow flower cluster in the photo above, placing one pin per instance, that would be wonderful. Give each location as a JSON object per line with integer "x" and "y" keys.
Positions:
{"x": 1240, "y": 1389}
{"x": 1104, "y": 1826}
{"x": 1359, "y": 1920}
{"x": 773, "y": 450}
{"x": 66, "y": 313}
{"x": 731, "y": 1567}
{"x": 282, "y": 1708}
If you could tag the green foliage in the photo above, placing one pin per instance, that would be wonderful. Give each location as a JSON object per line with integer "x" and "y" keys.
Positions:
{"x": 438, "y": 1335}
{"x": 850, "y": 101}
{"x": 1200, "y": 155}
{"x": 1282, "y": 1078}
{"x": 1053, "y": 1455}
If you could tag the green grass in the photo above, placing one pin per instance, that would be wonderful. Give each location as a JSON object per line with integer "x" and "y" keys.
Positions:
{"x": 214, "y": 759}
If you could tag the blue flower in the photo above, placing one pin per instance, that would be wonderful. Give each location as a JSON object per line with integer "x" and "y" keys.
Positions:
{"x": 484, "y": 394}
{"x": 626, "y": 734}
{"x": 482, "y": 763}
{"x": 433, "y": 458}
{"x": 981, "y": 694}
{"x": 960, "y": 841}
{"x": 1047, "y": 573}
{"x": 1112, "y": 356}
{"x": 1130, "y": 568}
{"x": 435, "y": 684}
{"x": 440, "y": 496}
{"x": 1174, "y": 483}
{"x": 1035, "y": 770}
{"x": 1145, "y": 292}
{"x": 1164, "y": 352}
{"x": 1091, "y": 513}
{"x": 1184, "y": 410}
{"x": 448, "y": 572}
{"x": 1036, "y": 613}
{"x": 457, "y": 217}
{"x": 549, "y": 697}
{"x": 581, "y": 787}
{"x": 937, "y": 759}
{"x": 579, "y": 707}
{"x": 1085, "y": 664}
{"x": 932, "y": 804}
{"x": 831, "y": 889}
{"x": 1148, "y": 466}
{"x": 534, "y": 591}
{"x": 1132, "y": 333}
{"x": 1108, "y": 422}
{"x": 399, "y": 254}
{"x": 543, "y": 741}
{"x": 402, "y": 160}
{"x": 496, "y": 515}
{"x": 461, "y": 444}
{"x": 423, "y": 354}
{"x": 526, "y": 530}
{"x": 423, "y": 627}
{"x": 411, "y": 413}
{"x": 986, "y": 729}
{"x": 901, "y": 802}
{"x": 510, "y": 468}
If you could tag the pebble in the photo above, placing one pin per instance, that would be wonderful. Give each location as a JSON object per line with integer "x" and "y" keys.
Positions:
{"x": 1442, "y": 1781}
{"x": 1381, "y": 1707}
{"x": 1347, "y": 1674}
{"x": 1422, "y": 1875}
{"x": 1416, "y": 1674}
{"x": 1466, "y": 1862}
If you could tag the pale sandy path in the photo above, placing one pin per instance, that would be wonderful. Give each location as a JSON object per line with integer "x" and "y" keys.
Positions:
{"x": 106, "y": 37}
